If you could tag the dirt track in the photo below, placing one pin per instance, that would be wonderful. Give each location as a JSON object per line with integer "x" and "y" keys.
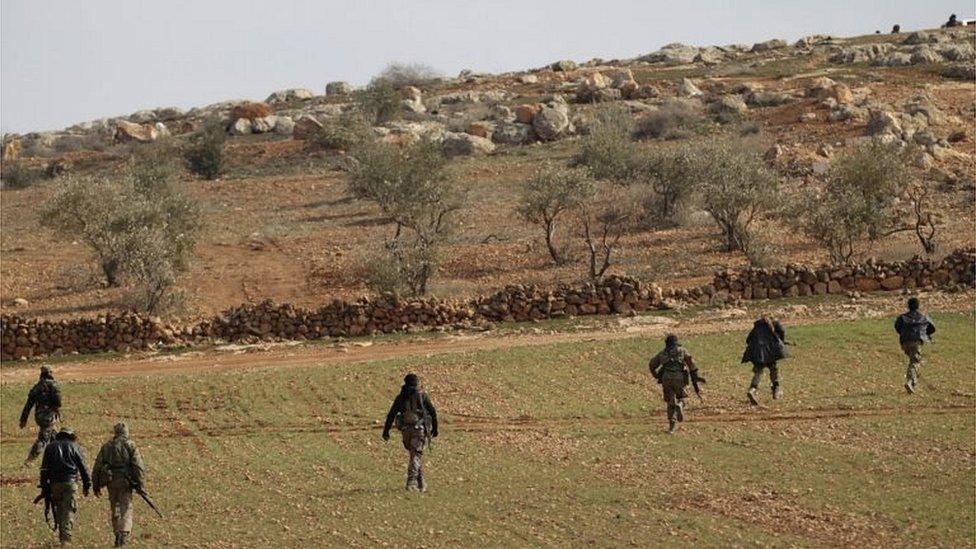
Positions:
{"x": 284, "y": 355}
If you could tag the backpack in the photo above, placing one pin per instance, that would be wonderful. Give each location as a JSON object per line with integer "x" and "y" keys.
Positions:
{"x": 413, "y": 412}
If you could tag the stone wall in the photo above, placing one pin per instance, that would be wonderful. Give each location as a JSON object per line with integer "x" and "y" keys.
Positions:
{"x": 268, "y": 321}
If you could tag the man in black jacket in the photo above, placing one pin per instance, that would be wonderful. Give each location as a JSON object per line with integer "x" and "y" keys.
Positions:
{"x": 416, "y": 418}
{"x": 63, "y": 462}
{"x": 764, "y": 348}
{"x": 914, "y": 329}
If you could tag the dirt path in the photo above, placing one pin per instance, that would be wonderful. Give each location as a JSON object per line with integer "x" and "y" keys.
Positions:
{"x": 234, "y": 358}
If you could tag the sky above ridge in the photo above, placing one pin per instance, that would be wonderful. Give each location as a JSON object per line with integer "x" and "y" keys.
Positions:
{"x": 67, "y": 61}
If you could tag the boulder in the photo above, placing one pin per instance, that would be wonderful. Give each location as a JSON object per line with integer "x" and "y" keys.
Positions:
{"x": 710, "y": 55}
{"x": 896, "y": 59}
{"x": 501, "y": 113}
{"x": 860, "y": 54}
{"x": 20, "y": 302}
{"x": 143, "y": 117}
{"x": 264, "y": 124}
{"x": 528, "y": 79}
{"x": 284, "y": 125}
{"x": 673, "y": 54}
{"x": 291, "y": 94}
{"x": 893, "y": 283}
{"x": 924, "y": 55}
{"x": 812, "y": 40}
{"x": 305, "y": 127}
{"x": 550, "y": 123}
{"x": 127, "y": 131}
{"x": 645, "y": 91}
{"x": 526, "y": 113}
{"x": 728, "y": 104}
{"x": 464, "y": 144}
{"x": 12, "y": 149}
{"x": 165, "y": 114}
{"x": 338, "y": 88}
{"x": 413, "y": 100}
{"x": 479, "y": 129}
{"x": 622, "y": 78}
{"x": 768, "y": 99}
{"x": 687, "y": 88}
{"x": 824, "y": 88}
{"x": 241, "y": 126}
{"x": 512, "y": 133}
{"x": 958, "y": 52}
{"x": 589, "y": 85}
{"x": 768, "y": 45}
{"x": 565, "y": 65}
{"x": 922, "y": 38}
{"x": 962, "y": 71}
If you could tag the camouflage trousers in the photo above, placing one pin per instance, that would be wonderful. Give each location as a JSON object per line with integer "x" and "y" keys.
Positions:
{"x": 415, "y": 440}
{"x": 912, "y": 349}
{"x": 45, "y": 435}
{"x": 120, "y": 505}
{"x": 757, "y": 372}
{"x": 674, "y": 385}
{"x": 63, "y": 498}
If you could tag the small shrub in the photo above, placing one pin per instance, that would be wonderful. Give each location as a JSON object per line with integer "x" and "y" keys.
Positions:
{"x": 205, "y": 156}
{"x": 250, "y": 110}
{"x": 342, "y": 133}
{"x": 379, "y": 102}
{"x": 675, "y": 119}
{"x": 399, "y": 75}
{"x": 749, "y": 127}
{"x": 671, "y": 173}
{"x": 607, "y": 149}
{"x": 15, "y": 175}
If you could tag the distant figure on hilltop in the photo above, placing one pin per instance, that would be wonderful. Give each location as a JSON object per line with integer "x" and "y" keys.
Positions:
{"x": 896, "y": 29}
{"x": 952, "y": 22}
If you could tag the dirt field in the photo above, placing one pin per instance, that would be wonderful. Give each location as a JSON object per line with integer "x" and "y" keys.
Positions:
{"x": 551, "y": 435}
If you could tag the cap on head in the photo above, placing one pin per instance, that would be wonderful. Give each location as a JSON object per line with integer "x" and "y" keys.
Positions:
{"x": 913, "y": 304}
{"x": 121, "y": 429}
{"x": 671, "y": 341}
{"x": 46, "y": 372}
{"x": 66, "y": 432}
{"x": 411, "y": 380}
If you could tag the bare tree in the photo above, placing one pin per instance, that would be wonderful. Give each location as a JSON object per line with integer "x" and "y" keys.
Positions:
{"x": 603, "y": 220}
{"x": 550, "y": 193}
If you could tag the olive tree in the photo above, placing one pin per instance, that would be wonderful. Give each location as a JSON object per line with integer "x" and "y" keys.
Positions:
{"x": 138, "y": 223}
{"x": 736, "y": 188}
{"x": 861, "y": 201}
{"x": 603, "y": 220}
{"x": 548, "y": 195}
{"x": 606, "y": 149}
{"x": 412, "y": 187}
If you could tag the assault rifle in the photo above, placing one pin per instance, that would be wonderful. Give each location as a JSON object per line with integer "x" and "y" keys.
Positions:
{"x": 137, "y": 488}
{"x": 48, "y": 507}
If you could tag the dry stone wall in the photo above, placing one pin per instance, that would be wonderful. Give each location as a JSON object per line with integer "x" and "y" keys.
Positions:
{"x": 268, "y": 321}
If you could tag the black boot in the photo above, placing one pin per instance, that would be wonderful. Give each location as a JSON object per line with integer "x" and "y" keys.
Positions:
{"x": 672, "y": 426}
{"x": 118, "y": 542}
{"x": 777, "y": 392}
{"x": 752, "y": 396}
{"x": 123, "y": 538}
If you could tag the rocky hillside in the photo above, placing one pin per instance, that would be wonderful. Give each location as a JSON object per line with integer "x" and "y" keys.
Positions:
{"x": 283, "y": 225}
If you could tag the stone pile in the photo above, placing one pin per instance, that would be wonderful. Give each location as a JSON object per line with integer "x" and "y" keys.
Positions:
{"x": 797, "y": 280}
{"x": 20, "y": 337}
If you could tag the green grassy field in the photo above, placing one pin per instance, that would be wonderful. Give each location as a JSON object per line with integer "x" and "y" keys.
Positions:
{"x": 547, "y": 445}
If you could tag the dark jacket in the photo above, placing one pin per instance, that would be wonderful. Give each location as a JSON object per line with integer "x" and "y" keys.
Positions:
{"x": 398, "y": 403}
{"x": 46, "y": 396}
{"x": 914, "y": 326}
{"x": 764, "y": 345}
{"x": 63, "y": 462}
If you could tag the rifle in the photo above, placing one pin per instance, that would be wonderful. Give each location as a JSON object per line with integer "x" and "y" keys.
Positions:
{"x": 695, "y": 380}
{"x": 137, "y": 488}
{"x": 48, "y": 507}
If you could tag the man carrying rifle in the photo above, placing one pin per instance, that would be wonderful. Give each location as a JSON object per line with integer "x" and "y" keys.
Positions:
{"x": 416, "y": 418}
{"x": 674, "y": 368}
{"x": 119, "y": 468}
{"x": 63, "y": 462}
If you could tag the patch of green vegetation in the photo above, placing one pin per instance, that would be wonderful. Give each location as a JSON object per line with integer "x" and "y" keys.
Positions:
{"x": 558, "y": 444}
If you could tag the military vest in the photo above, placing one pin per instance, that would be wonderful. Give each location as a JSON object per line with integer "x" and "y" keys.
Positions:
{"x": 117, "y": 457}
{"x": 674, "y": 360}
{"x": 47, "y": 400}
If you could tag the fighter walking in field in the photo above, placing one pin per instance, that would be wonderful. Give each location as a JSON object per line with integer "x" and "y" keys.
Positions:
{"x": 63, "y": 463}
{"x": 119, "y": 468}
{"x": 45, "y": 398}
{"x": 416, "y": 418}
{"x": 674, "y": 368}
{"x": 914, "y": 330}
